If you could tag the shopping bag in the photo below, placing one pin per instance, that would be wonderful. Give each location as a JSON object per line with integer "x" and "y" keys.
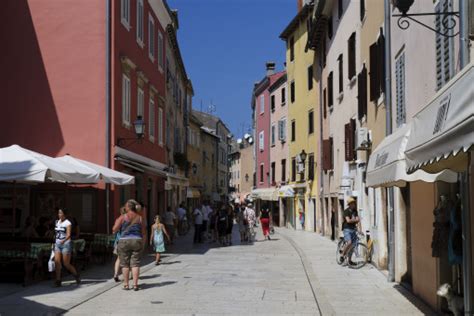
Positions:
{"x": 51, "y": 264}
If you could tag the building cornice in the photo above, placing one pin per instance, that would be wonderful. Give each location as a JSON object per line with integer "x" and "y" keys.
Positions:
{"x": 278, "y": 83}
{"x": 303, "y": 14}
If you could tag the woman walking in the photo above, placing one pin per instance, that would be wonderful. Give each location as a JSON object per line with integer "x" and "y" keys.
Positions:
{"x": 230, "y": 225}
{"x": 130, "y": 244}
{"x": 117, "y": 261}
{"x": 265, "y": 221}
{"x": 156, "y": 239}
{"x": 63, "y": 247}
{"x": 222, "y": 221}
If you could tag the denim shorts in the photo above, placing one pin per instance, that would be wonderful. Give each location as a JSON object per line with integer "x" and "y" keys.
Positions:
{"x": 350, "y": 235}
{"x": 65, "y": 248}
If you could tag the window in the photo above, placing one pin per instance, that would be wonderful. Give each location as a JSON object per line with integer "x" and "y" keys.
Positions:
{"x": 362, "y": 93}
{"x": 362, "y": 10}
{"x": 400, "y": 89}
{"x": 340, "y": 8}
{"x": 160, "y": 126}
{"x": 273, "y": 172}
{"x": 283, "y": 170}
{"x": 125, "y": 100}
{"x": 261, "y": 139}
{"x": 293, "y": 130}
{"x": 151, "y": 37}
{"x": 272, "y": 102}
{"x": 330, "y": 92}
{"x": 377, "y": 68}
{"x": 444, "y": 46}
{"x": 349, "y": 144}
{"x": 311, "y": 167}
{"x": 292, "y": 92}
{"x": 140, "y": 22}
{"x": 323, "y": 51}
{"x": 341, "y": 70}
{"x": 330, "y": 28}
{"x": 140, "y": 102}
{"x": 351, "y": 52}
{"x": 324, "y": 103}
{"x": 261, "y": 173}
{"x": 273, "y": 136}
{"x": 160, "y": 52}
{"x": 283, "y": 96}
{"x": 310, "y": 77}
{"x": 311, "y": 122}
{"x": 151, "y": 119}
{"x": 125, "y": 13}
{"x": 262, "y": 103}
{"x": 293, "y": 169}
{"x": 282, "y": 130}
{"x": 292, "y": 48}
{"x": 328, "y": 154}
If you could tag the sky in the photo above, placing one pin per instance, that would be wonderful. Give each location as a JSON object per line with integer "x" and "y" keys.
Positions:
{"x": 225, "y": 45}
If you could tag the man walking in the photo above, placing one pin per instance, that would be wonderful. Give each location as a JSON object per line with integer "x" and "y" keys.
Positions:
{"x": 198, "y": 220}
{"x": 170, "y": 223}
{"x": 182, "y": 220}
{"x": 349, "y": 224}
{"x": 206, "y": 211}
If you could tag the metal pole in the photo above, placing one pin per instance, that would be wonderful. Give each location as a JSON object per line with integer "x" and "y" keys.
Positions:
{"x": 107, "y": 108}
{"x": 388, "y": 131}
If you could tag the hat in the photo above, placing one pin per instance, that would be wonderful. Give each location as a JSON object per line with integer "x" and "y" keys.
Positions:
{"x": 350, "y": 200}
{"x": 249, "y": 204}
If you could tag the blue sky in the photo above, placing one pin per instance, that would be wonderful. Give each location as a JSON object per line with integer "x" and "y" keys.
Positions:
{"x": 225, "y": 44}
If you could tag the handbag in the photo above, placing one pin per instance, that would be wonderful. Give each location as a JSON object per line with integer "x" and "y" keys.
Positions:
{"x": 51, "y": 264}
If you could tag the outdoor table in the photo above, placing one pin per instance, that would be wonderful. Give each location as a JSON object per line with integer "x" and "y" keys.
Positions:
{"x": 78, "y": 245}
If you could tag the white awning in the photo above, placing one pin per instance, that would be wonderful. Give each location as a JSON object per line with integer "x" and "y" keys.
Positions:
{"x": 387, "y": 164}
{"x": 266, "y": 194}
{"x": 193, "y": 193}
{"x": 23, "y": 165}
{"x": 139, "y": 162}
{"x": 443, "y": 131}
{"x": 286, "y": 191}
{"x": 106, "y": 174}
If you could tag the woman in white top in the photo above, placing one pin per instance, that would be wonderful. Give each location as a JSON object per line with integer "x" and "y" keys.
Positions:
{"x": 63, "y": 247}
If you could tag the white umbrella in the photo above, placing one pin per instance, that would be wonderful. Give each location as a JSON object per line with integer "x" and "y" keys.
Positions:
{"x": 106, "y": 174}
{"x": 23, "y": 165}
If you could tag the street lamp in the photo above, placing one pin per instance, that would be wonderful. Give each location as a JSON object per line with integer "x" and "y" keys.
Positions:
{"x": 303, "y": 156}
{"x": 139, "y": 127}
{"x": 448, "y": 19}
{"x": 194, "y": 167}
{"x": 247, "y": 177}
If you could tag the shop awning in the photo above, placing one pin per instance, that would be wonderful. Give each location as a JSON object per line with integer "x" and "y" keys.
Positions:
{"x": 173, "y": 179}
{"x": 193, "y": 193}
{"x": 138, "y": 162}
{"x": 266, "y": 194}
{"x": 286, "y": 191}
{"x": 387, "y": 164}
{"x": 443, "y": 131}
{"x": 106, "y": 174}
{"x": 23, "y": 165}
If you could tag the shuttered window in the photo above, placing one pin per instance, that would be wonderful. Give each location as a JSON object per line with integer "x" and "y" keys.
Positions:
{"x": 310, "y": 77}
{"x": 311, "y": 167}
{"x": 362, "y": 93}
{"x": 140, "y": 19}
{"x": 151, "y": 120}
{"x": 283, "y": 170}
{"x": 330, "y": 90}
{"x": 261, "y": 173}
{"x": 400, "y": 89}
{"x": 327, "y": 154}
{"x": 381, "y": 61}
{"x": 311, "y": 122}
{"x": 351, "y": 53}
{"x": 341, "y": 73}
{"x": 261, "y": 138}
{"x": 151, "y": 38}
{"x": 272, "y": 103}
{"x": 374, "y": 81}
{"x": 293, "y": 131}
{"x": 292, "y": 48}
{"x": 292, "y": 92}
{"x": 273, "y": 172}
{"x": 444, "y": 47}
{"x": 325, "y": 101}
{"x": 125, "y": 100}
{"x": 282, "y": 130}
{"x": 293, "y": 169}
{"x": 273, "y": 134}
{"x": 283, "y": 96}
{"x": 349, "y": 144}
{"x": 362, "y": 10}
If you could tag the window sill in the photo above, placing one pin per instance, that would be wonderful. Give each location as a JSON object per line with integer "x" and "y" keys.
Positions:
{"x": 126, "y": 24}
{"x": 140, "y": 43}
{"x": 152, "y": 139}
{"x": 152, "y": 58}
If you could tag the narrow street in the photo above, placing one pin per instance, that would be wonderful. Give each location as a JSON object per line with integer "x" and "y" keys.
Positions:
{"x": 294, "y": 273}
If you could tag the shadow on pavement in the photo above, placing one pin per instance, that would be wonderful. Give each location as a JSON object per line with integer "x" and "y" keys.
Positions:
{"x": 145, "y": 286}
{"x": 425, "y": 309}
{"x": 145, "y": 277}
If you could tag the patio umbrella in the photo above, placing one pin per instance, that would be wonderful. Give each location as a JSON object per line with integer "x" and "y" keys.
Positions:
{"x": 106, "y": 174}
{"x": 23, "y": 165}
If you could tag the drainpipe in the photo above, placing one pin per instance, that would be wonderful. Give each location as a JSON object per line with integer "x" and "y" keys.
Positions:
{"x": 388, "y": 131}
{"x": 465, "y": 176}
{"x": 107, "y": 106}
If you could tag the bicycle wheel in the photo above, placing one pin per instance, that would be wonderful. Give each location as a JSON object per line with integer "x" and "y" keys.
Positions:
{"x": 358, "y": 256}
{"x": 340, "y": 245}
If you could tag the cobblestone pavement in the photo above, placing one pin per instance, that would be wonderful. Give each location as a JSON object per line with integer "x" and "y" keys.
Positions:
{"x": 294, "y": 273}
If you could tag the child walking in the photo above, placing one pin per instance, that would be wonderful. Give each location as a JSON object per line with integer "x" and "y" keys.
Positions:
{"x": 156, "y": 239}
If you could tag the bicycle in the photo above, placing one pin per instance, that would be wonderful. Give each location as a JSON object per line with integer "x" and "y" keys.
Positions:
{"x": 357, "y": 256}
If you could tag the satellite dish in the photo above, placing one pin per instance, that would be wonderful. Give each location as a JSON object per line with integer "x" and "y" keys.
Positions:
{"x": 247, "y": 136}
{"x": 250, "y": 140}
{"x": 239, "y": 141}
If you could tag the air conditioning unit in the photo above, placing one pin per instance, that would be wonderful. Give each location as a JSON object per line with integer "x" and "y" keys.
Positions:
{"x": 362, "y": 139}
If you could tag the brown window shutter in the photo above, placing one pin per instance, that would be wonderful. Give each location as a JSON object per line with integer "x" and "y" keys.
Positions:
{"x": 326, "y": 156}
{"x": 362, "y": 93}
{"x": 331, "y": 153}
{"x": 347, "y": 141}
{"x": 381, "y": 61}
{"x": 352, "y": 56}
{"x": 374, "y": 81}
{"x": 325, "y": 104}
{"x": 330, "y": 89}
{"x": 352, "y": 150}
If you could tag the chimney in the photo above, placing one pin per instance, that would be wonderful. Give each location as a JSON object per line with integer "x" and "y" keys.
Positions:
{"x": 300, "y": 5}
{"x": 270, "y": 68}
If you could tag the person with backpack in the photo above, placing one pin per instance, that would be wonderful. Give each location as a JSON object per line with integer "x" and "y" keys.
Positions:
{"x": 157, "y": 240}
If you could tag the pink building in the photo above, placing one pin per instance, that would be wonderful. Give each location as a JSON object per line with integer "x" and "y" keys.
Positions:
{"x": 76, "y": 85}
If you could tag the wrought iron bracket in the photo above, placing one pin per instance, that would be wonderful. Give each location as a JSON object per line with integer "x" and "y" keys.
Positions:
{"x": 449, "y": 20}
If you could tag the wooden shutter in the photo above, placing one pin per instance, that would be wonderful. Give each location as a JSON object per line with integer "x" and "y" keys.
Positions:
{"x": 325, "y": 105}
{"x": 374, "y": 81}
{"x": 381, "y": 61}
{"x": 341, "y": 71}
{"x": 362, "y": 93}
{"x": 331, "y": 153}
{"x": 351, "y": 47}
{"x": 330, "y": 90}
{"x": 326, "y": 154}
{"x": 349, "y": 132}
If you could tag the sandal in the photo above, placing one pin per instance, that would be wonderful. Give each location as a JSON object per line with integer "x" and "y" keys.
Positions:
{"x": 116, "y": 278}
{"x": 135, "y": 288}
{"x": 126, "y": 288}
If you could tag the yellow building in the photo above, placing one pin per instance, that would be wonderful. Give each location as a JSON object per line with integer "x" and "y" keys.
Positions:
{"x": 303, "y": 123}
{"x": 195, "y": 168}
